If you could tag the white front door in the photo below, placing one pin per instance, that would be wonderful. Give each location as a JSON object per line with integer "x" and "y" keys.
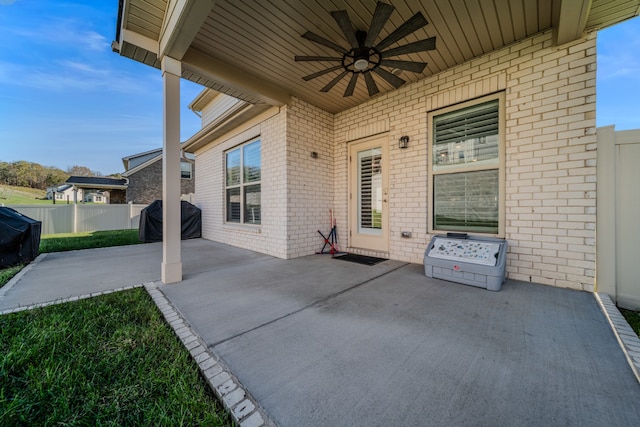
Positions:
{"x": 369, "y": 195}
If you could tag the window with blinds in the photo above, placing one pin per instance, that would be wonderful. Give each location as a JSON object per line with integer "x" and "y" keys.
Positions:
{"x": 465, "y": 171}
{"x": 466, "y": 137}
{"x": 243, "y": 173}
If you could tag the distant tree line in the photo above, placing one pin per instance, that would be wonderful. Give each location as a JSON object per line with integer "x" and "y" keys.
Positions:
{"x": 27, "y": 174}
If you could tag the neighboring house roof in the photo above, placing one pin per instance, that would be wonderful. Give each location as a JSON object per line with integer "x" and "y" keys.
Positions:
{"x": 59, "y": 188}
{"x": 97, "y": 182}
{"x": 134, "y": 160}
{"x": 148, "y": 157}
{"x": 134, "y": 167}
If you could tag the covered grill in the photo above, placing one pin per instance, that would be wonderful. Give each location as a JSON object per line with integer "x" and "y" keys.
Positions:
{"x": 19, "y": 238}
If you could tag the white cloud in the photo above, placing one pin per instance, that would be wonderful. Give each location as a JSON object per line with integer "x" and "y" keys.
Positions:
{"x": 68, "y": 75}
{"x": 58, "y": 33}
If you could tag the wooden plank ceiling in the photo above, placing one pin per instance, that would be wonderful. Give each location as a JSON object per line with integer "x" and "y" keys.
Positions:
{"x": 261, "y": 37}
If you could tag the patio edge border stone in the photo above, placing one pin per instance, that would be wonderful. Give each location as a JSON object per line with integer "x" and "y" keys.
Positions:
{"x": 65, "y": 300}
{"x": 243, "y": 409}
{"x": 626, "y": 336}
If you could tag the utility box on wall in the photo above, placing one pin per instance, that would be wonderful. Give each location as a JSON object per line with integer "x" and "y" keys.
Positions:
{"x": 475, "y": 261}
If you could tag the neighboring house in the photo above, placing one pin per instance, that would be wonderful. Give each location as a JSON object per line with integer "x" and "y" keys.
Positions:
{"x": 96, "y": 197}
{"x": 495, "y": 137}
{"x": 62, "y": 193}
{"x": 144, "y": 174}
{"x": 110, "y": 190}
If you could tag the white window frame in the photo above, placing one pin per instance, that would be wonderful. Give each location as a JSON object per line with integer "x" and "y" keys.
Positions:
{"x": 243, "y": 185}
{"x": 469, "y": 167}
{"x": 190, "y": 170}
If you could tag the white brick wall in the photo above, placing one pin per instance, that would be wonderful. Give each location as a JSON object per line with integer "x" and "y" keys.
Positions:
{"x": 297, "y": 190}
{"x": 270, "y": 237}
{"x": 309, "y": 180}
{"x": 550, "y": 155}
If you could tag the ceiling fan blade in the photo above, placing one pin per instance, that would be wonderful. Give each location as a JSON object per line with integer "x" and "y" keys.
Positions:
{"x": 352, "y": 85}
{"x": 372, "y": 87}
{"x": 416, "y": 67}
{"x": 380, "y": 17}
{"x": 414, "y": 23}
{"x": 393, "y": 80}
{"x": 419, "y": 46}
{"x": 316, "y": 58}
{"x": 333, "y": 82}
{"x": 343, "y": 21}
{"x": 321, "y": 73}
{"x": 321, "y": 40}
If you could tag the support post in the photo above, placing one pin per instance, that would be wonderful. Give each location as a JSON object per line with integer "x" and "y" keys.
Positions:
{"x": 606, "y": 212}
{"x": 171, "y": 221}
{"x": 74, "y": 218}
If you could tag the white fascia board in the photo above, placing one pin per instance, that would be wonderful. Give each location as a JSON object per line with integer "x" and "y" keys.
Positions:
{"x": 572, "y": 21}
{"x": 205, "y": 97}
{"x": 182, "y": 21}
{"x": 139, "y": 40}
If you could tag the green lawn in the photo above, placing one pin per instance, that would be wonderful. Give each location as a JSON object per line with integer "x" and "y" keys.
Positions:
{"x": 633, "y": 317}
{"x": 10, "y": 195}
{"x": 109, "y": 360}
{"x": 93, "y": 239}
{"x": 7, "y": 273}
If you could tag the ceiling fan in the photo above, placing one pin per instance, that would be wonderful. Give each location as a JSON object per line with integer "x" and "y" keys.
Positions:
{"x": 366, "y": 58}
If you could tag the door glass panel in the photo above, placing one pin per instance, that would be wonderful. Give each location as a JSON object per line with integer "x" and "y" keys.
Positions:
{"x": 370, "y": 191}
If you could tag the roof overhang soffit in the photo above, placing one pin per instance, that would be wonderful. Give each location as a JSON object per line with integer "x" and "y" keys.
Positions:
{"x": 570, "y": 20}
{"x": 228, "y": 75}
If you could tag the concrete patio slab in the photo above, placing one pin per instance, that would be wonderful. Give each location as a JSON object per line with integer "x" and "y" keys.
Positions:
{"x": 248, "y": 295}
{"x": 316, "y": 341}
{"x": 402, "y": 349}
{"x": 63, "y": 275}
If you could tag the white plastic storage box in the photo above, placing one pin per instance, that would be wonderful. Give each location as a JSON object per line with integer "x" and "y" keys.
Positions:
{"x": 475, "y": 261}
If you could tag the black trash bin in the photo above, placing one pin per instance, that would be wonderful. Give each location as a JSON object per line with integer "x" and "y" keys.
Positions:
{"x": 150, "y": 229}
{"x": 19, "y": 238}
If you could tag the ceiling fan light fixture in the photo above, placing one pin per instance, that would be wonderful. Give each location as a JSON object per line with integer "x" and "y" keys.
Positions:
{"x": 361, "y": 64}
{"x": 366, "y": 58}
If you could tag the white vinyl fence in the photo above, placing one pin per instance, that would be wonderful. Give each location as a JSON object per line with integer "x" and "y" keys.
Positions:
{"x": 617, "y": 228}
{"x": 79, "y": 218}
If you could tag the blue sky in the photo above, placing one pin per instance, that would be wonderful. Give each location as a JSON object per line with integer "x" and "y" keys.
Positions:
{"x": 67, "y": 99}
